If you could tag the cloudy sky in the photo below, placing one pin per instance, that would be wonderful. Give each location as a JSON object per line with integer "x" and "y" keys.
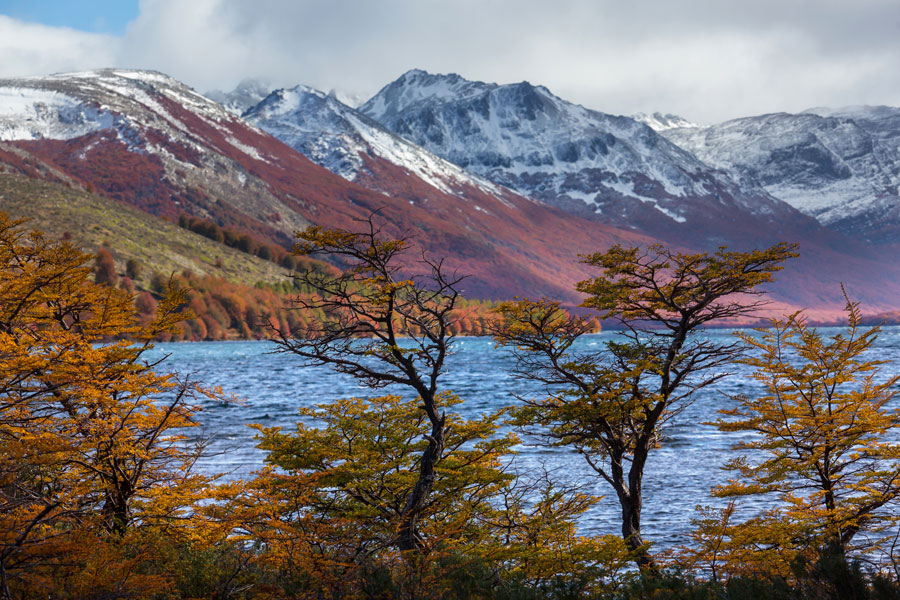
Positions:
{"x": 707, "y": 60}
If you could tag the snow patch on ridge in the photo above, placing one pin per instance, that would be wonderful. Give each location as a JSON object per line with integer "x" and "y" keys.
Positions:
{"x": 336, "y": 136}
{"x": 29, "y": 114}
{"x": 662, "y": 122}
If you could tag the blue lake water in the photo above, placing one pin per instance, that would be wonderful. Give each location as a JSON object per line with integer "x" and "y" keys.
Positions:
{"x": 272, "y": 386}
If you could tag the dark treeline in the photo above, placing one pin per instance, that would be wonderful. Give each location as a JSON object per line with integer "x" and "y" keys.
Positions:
{"x": 386, "y": 497}
{"x": 242, "y": 241}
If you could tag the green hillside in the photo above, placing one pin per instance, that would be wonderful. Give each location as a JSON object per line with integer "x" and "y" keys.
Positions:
{"x": 155, "y": 243}
{"x": 222, "y": 282}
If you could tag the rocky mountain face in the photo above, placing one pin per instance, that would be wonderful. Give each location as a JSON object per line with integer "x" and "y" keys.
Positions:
{"x": 612, "y": 169}
{"x": 148, "y": 140}
{"x": 350, "y": 144}
{"x": 841, "y": 166}
{"x": 245, "y": 96}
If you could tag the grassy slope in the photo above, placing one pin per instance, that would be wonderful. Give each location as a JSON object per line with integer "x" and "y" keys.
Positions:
{"x": 156, "y": 243}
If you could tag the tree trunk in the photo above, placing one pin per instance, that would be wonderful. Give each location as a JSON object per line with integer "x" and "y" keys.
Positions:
{"x": 115, "y": 510}
{"x": 4, "y": 586}
{"x": 407, "y": 536}
{"x": 631, "y": 499}
{"x": 631, "y": 533}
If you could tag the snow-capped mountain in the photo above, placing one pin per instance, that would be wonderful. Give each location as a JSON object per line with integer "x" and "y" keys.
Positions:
{"x": 150, "y": 140}
{"x": 246, "y": 95}
{"x": 613, "y": 169}
{"x": 661, "y": 122}
{"x": 841, "y": 166}
{"x": 146, "y": 139}
{"x": 345, "y": 141}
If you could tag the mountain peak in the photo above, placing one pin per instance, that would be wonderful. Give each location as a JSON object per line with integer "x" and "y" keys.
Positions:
{"x": 417, "y": 86}
{"x": 421, "y": 76}
{"x": 343, "y": 140}
{"x": 247, "y": 94}
{"x": 522, "y": 136}
{"x": 662, "y": 121}
{"x": 298, "y": 99}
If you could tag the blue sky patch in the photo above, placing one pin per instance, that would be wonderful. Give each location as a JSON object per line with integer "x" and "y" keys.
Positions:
{"x": 95, "y": 16}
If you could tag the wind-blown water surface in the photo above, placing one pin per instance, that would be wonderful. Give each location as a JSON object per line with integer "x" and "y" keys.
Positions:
{"x": 273, "y": 386}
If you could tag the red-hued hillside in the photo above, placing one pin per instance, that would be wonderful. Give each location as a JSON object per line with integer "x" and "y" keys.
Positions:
{"x": 148, "y": 140}
{"x": 145, "y": 139}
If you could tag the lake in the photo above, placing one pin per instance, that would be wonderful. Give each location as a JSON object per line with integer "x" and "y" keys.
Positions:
{"x": 678, "y": 477}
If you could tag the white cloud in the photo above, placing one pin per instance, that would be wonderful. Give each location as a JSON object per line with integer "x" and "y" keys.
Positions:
{"x": 706, "y": 59}
{"x": 29, "y": 49}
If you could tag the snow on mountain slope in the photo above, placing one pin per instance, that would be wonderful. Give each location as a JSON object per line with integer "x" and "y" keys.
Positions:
{"x": 660, "y": 122}
{"x": 143, "y": 137}
{"x": 64, "y": 107}
{"x": 245, "y": 96}
{"x": 343, "y": 140}
{"x": 841, "y": 166}
{"x": 610, "y": 168}
{"x": 148, "y": 140}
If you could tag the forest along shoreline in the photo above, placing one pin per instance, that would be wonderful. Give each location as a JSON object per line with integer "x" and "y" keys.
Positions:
{"x": 410, "y": 496}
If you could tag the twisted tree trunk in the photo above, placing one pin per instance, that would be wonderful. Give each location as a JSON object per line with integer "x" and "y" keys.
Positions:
{"x": 407, "y": 535}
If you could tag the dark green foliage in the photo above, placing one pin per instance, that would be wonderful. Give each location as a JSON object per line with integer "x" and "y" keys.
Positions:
{"x": 246, "y": 244}
{"x": 133, "y": 268}
{"x": 199, "y": 571}
{"x": 265, "y": 253}
{"x": 831, "y": 578}
{"x": 105, "y": 268}
{"x": 288, "y": 262}
{"x": 234, "y": 239}
{"x": 159, "y": 283}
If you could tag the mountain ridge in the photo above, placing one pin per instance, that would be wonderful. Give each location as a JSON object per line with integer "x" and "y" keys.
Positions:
{"x": 164, "y": 148}
{"x": 840, "y": 166}
{"x": 150, "y": 141}
{"x": 609, "y": 168}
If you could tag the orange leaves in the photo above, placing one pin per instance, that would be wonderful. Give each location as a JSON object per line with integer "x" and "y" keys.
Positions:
{"x": 821, "y": 438}
{"x": 91, "y": 439}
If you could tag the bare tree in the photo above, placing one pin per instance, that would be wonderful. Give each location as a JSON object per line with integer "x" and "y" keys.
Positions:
{"x": 382, "y": 328}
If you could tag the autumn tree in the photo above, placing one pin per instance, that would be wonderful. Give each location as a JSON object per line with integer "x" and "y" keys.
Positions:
{"x": 611, "y": 404}
{"x": 822, "y": 446}
{"x": 367, "y": 310}
{"x": 91, "y": 442}
{"x": 329, "y": 513}
{"x": 133, "y": 268}
{"x": 105, "y": 268}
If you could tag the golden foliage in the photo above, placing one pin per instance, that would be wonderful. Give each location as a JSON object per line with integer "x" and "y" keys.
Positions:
{"x": 610, "y": 405}
{"x": 820, "y": 450}
{"x": 91, "y": 442}
{"x": 332, "y": 501}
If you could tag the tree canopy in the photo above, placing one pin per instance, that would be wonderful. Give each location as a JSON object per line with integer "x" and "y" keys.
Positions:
{"x": 610, "y": 404}
{"x": 91, "y": 438}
